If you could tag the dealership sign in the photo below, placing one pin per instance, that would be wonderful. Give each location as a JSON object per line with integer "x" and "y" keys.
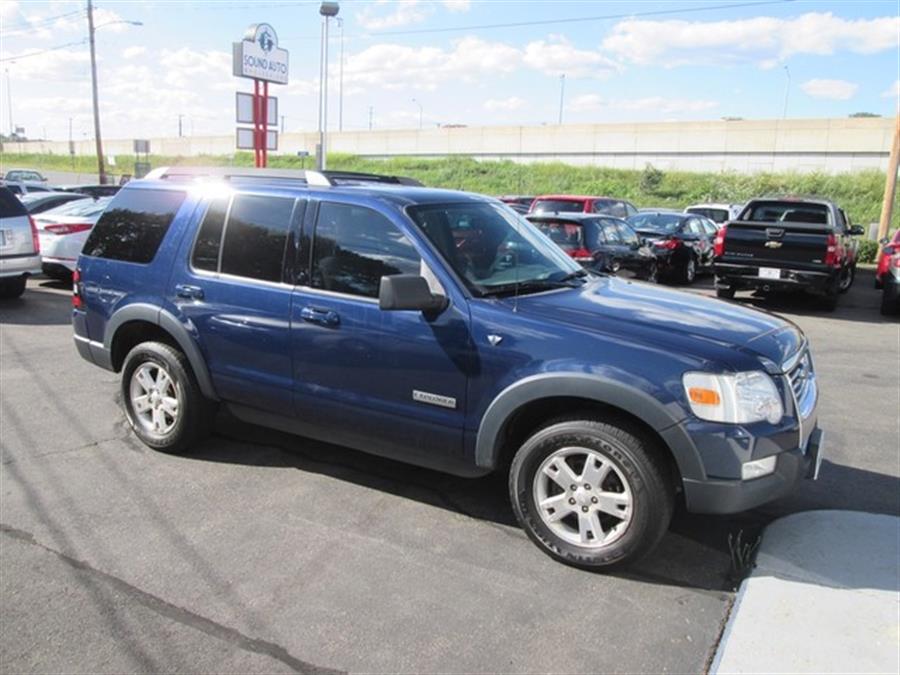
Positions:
{"x": 258, "y": 56}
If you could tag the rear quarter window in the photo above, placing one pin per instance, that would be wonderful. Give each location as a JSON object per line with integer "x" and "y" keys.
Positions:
{"x": 134, "y": 225}
{"x": 10, "y": 206}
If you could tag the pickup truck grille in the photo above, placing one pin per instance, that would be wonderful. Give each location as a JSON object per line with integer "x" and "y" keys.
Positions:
{"x": 802, "y": 380}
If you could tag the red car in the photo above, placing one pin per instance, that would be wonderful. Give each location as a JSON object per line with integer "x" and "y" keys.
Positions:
{"x": 608, "y": 206}
{"x": 887, "y": 275}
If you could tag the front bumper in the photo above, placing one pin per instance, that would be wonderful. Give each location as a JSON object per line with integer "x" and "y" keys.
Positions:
{"x": 746, "y": 277}
{"x": 733, "y": 496}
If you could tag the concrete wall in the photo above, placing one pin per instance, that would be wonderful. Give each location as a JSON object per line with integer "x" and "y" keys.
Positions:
{"x": 827, "y": 145}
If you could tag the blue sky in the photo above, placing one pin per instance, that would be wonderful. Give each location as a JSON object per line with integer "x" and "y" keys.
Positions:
{"x": 646, "y": 61}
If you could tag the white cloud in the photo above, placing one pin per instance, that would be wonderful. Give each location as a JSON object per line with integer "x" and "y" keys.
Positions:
{"x": 893, "y": 91}
{"x": 586, "y": 103}
{"x": 762, "y": 39}
{"x": 558, "y": 56}
{"x": 836, "y": 90}
{"x": 8, "y": 9}
{"x": 404, "y": 13}
{"x": 506, "y": 104}
{"x": 396, "y": 66}
{"x": 133, "y": 52}
{"x": 457, "y": 5}
{"x": 187, "y": 66}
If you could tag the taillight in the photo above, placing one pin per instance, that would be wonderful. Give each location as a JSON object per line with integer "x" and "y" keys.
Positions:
{"x": 67, "y": 228}
{"x": 581, "y": 255}
{"x": 35, "y": 240}
{"x": 831, "y": 252}
{"x": 668, "y": 244}
{"x": 76, "y": 290}
{"x": 719, "y": 242}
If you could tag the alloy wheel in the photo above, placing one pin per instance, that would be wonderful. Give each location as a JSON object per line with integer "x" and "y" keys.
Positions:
{"x": 154, "y": 398}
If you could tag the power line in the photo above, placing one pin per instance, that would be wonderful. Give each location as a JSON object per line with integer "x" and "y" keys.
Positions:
{"x": 44, "y": 51}
{"x": 46, "y": 21}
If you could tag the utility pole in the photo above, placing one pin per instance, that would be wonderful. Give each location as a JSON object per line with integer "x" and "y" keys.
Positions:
{"x": 420, "y": 113}
{"x": 890, "y": 186}
{"x": 282, "y": 124}
{"x": 180, "y": 116}
{"x": 562, "y": 93}
{"x": 101, "y": 169}
{"x": 371, "y": 115}
{"x": 12, "y": 127}
{"x": 71, "y": 145}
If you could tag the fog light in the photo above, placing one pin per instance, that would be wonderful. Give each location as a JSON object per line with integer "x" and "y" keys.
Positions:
{"x": 758, "y": 468}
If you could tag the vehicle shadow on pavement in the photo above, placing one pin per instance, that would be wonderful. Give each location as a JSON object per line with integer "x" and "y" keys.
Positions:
{"x": 694, "y": 554}
{"x": 48, "y": 303}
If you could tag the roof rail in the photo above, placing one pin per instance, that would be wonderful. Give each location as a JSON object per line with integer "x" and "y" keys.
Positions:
{"x": 303, "y": 176}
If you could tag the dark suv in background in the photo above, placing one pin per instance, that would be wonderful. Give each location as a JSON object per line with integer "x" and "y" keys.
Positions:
{"x": 442, "y": 329}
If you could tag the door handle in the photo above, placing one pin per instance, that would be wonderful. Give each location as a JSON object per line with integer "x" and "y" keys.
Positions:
{"x": 190, "y": 292}
{"x": 323, "y": 317}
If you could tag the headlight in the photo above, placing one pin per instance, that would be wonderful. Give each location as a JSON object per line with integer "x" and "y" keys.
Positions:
{"x": 738, "y": 398}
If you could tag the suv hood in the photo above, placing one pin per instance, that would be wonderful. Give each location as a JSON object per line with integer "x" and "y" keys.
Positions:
{"x": 661, "y": 316}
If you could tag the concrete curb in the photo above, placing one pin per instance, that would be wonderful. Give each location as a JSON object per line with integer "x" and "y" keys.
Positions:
{"x": 824, "y": 598}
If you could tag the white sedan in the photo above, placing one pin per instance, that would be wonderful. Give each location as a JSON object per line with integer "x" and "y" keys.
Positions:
{"x": 63, "y": 231}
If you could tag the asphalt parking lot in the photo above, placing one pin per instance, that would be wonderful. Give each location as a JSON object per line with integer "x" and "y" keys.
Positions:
{"x": 263, "y": 552}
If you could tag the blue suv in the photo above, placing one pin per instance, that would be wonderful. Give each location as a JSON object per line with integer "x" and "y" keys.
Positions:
{"x": 440, "y": 328}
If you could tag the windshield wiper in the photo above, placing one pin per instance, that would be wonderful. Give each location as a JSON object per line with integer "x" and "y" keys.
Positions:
{"x": 571, "y": 276}
{"x": 530, "y": 286}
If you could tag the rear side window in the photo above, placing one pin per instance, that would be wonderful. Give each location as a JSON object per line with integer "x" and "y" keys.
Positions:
{"x": 610, "y": 207}
{"x": 209, "y": 238}
{"x": 133, "y": 226}
{"x": 256, "y": 237}
{"x": 796, "y": 212}
{"x": 10, "y": 206}
{"x": 354, "y": 247}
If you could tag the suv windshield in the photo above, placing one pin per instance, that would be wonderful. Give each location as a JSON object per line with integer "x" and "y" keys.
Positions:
{"x": 493, "y": 250}
{"x": 557, "y": 206}
{"x": 664, "y": 223}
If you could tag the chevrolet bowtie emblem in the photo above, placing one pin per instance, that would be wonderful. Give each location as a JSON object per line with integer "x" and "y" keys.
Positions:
{"x": 773, "y": 244}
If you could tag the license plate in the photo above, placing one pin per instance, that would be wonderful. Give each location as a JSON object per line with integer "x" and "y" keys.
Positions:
{"x": 769, "y": 273}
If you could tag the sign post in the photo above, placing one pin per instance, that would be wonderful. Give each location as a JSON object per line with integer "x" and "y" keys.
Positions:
{"x": 259, "y": 58}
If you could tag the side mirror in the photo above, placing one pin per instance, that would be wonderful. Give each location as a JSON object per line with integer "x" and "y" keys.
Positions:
{"x": 857, "y": 230}
{"x": 409, "y": 292}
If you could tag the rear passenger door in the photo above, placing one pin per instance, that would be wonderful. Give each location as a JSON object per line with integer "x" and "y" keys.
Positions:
{"x": 232, "y": 288}
{"x": 393, "y": 383}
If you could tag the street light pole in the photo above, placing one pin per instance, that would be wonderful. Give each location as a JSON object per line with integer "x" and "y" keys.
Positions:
{"x": 12, "y": 127}
{"x": 180, "y": 116}
{"x": 341, "y": 80}
{"x": 420, "y": 112}
{"x": 327, "y": 10}
{"x": 101, "y": 169}
{"x": 787, "y": 91}
{"x": 562, "y": 92}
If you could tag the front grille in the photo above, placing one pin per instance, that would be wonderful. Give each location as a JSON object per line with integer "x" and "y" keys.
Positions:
{"x": 802, "y": 380}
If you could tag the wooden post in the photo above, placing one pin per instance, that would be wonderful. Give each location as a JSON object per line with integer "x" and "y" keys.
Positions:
{"x": 890, "y": 187}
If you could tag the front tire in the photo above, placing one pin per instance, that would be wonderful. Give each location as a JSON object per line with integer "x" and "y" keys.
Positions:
{"x": 162, "y": 400}
{"x": 592, "y": 494}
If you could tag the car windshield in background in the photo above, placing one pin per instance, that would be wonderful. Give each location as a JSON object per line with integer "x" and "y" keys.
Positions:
{"x": 568, "y": 236}
{"x": 791, "y": 212}
{"x": 715, "y": 215}
{"x": 663, "y": 223}
{"x": 81, "y": 207}
{"x": 493, "y": 250}
{"x": 557, "y": 206}
{"x": 24, "y": 176}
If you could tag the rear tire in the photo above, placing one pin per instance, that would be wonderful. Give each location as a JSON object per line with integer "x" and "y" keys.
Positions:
{"x": 12, "y": 288}
{"x": 688, "y": 271}
{"x": 622, "y": 502}
{"x": 162, "y": 400}
{"x": 847, "y": 279}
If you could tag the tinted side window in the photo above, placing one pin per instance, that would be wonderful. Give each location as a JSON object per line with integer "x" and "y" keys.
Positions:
{"x": 209, "y": 238}
{"x": 354, "y": 247}
{"x": 133, "y": 225}
{"x": 630, "y": 209}
{"x": 256, "y": 235}
{"x": 611, "y": 232}
{"x": 629, "y": 236}
{"x": 10, "y": 206}
{"x": 610, "y": 208}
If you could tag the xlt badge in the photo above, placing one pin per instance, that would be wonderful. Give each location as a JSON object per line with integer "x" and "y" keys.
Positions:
{"x": 434, "y": 399}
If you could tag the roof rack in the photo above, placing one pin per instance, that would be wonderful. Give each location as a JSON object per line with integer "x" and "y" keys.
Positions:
{"x": 302, "y": 176}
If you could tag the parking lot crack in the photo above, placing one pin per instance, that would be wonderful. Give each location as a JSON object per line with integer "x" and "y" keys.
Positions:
{"x": 64, "y": 451}
{"x": 175, "y": 613}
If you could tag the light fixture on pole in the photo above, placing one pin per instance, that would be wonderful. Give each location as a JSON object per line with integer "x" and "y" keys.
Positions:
{"x": 327, "y": 10}
{"x": 341, "y": 79}
{"x": 420, "y": 112}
